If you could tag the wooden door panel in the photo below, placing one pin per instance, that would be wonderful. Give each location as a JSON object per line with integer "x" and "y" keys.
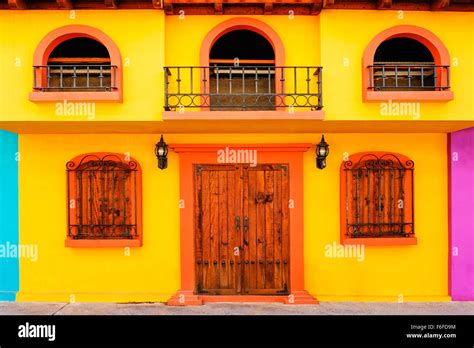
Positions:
{"x": 250, "y": 256}
{"x": 268, "y": 234}
{"x": 217, "y": 268}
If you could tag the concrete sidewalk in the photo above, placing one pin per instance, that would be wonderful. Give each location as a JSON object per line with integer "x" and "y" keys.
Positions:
{"x": 325, "y": 308}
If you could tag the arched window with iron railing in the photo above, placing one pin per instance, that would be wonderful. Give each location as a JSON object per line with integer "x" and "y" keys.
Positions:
{"x": 78, "y": 64}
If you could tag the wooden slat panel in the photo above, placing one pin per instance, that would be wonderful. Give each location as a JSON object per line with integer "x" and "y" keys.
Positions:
{"x": 277, "y": 229}
{"x": 214, "y": 228}
{"x": 223, "y": 242}
{"x": 251, "y": 235}
{"x": 239, "y": 238}
{"x": 260, "y": 188}
{"x": 269, "y": 231}
{"x": 198, "y": 240}
{"x": 206, "y": 231}
{"x": 286, "y": 227}
{"x": 232, "y": 233}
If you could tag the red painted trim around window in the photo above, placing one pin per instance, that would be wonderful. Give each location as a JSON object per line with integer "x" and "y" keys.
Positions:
{"x": 59, "y": 35}
{"x": 431, "y": 41}
{"x": 409, "y": 197}
{"x": 111, "y": 243}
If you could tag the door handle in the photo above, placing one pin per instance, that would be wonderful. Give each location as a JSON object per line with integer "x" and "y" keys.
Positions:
{"x": 237, "y": 223}
{"x": 246, "y": 223}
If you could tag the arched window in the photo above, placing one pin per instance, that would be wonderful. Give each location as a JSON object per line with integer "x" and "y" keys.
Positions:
{"x": 377, "y": 198}
{"x": 242, "y": 74}
{"x": 77, "y": 62}
{"x": 406, "y": 63}
{"x": 403, "y": 64}
{"x": 242, "y": 69}
{"x": 104, "y": 200}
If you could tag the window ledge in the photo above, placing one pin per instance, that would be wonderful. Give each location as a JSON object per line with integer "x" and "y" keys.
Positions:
{"x": 381, "y": 241}
{"x": 408, "y": 95}
{"x": 243, "y": 115}
{"x": 102, "y": 243}
{"x": 115, "y": 96}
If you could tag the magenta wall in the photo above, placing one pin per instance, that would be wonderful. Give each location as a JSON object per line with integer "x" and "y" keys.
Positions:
{"x": 461, "y": 149}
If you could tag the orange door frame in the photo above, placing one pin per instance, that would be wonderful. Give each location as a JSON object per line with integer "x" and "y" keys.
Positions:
{"x": 190, "y": 155}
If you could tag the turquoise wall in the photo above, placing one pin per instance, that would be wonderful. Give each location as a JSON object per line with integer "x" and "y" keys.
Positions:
{"x": 9, "y": 266}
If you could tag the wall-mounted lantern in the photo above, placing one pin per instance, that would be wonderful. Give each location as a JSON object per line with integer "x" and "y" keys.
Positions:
{"x": 322, "y": 151}
{"x": 161, "y": 152}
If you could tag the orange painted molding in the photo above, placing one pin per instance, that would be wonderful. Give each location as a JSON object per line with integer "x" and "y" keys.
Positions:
{"x": 59, "y": 35}
{"x": 191, "y": 154}
{"x": 185, "y": 298}
{"x": 243, "y": 23}
{"x": 430, "y": 40}
{"x": 75, "y": 96}
{"x": 300, "y": 298}
{"x": 243, "y": 115}
{"x": 102, "y": 243}
{"x": 409, "y": 95}
{"x": 412, "y": 240}
{"x": 259, "y": 147}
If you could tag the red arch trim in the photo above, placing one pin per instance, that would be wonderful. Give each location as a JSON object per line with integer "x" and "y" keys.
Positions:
{"x": 430, "y": 40}
{"x": 59, "y": 35}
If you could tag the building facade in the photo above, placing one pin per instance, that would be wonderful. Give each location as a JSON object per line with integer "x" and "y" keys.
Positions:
{"x": 242, "y": 208}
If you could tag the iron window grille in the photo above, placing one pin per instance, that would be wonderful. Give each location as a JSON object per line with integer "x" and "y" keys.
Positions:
{"x": 408, "y": 77}
{"x": 102, "y": 198}
{"x": 79, "y": 77}
{"x": 229, "y": 87}
{"x": 379, "y": 196}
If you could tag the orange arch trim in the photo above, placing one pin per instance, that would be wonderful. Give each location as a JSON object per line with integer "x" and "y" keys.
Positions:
{"x": 59, "y": 35}
{"x": 241, "y": 23}
{"x": 430, "y": 40}
{"x": 252, "y": 24}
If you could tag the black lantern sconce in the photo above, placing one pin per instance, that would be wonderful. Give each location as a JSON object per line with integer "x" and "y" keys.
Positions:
{"x": 322, "y": 151}
{"x": 161, "y": 152}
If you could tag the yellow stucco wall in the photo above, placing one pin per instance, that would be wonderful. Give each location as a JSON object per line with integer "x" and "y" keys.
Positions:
{"x": 139, "y": 36}
{"x": 150, "y": 40}
{"x": 344, "y": 37}
{"x": 152, "y": 273}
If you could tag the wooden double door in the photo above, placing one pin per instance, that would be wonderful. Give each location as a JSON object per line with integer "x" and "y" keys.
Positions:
{"x": 241, "y": 224}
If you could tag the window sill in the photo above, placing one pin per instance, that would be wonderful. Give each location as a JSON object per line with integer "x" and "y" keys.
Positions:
{"x": 75, "y": 96}
{"x": 243, "y": 115}
{"x": 380, "y": 241}
{"x": 102, "y": 243}
{"x": 408, "y": 95}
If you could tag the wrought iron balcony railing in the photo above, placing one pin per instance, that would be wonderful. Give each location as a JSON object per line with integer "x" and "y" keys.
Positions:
{"x": 75, "y": 77}
{"x": 243, "y": 87}
{"x": 409, "y": 77}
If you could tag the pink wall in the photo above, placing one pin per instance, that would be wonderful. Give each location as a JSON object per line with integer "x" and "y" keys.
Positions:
{"x": 461, "y": 150}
